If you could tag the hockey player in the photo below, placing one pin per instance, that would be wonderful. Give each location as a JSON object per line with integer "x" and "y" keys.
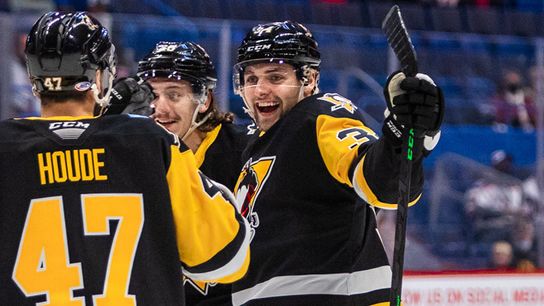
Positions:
{"x": 103, "y": 210}
{"x": 316, "y": 173}
{"x": 183, "y": 77}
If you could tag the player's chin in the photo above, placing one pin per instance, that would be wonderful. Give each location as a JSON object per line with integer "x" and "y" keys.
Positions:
{"x": 172, "y": 126}
{"x": 266, "y": 122}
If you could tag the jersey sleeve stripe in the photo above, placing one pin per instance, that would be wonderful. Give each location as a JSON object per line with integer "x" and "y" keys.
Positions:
{"x": 338, "y": 140}
{"x": 213, "y": 239}
{"x": 232, "y": 248}
{"x": 363, "y": 189}
{"x": 233, "y": 270}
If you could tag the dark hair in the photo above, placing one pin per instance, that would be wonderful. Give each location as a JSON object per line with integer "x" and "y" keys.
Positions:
{"x": 217, "y": 117}
{"x": 63, "y": 96}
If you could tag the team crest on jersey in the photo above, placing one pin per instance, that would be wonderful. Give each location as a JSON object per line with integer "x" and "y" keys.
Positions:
{"x": 249, "y": 185}
{"x": 202, "y": 287}
{"x": 338, "y": 102}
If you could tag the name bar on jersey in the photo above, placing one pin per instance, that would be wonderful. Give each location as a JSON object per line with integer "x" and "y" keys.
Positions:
{"x": 332, "y": 284}
{"x": 71, "y": 165}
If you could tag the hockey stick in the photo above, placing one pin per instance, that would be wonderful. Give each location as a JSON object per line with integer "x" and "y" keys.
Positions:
{"x": 400, "y": 42}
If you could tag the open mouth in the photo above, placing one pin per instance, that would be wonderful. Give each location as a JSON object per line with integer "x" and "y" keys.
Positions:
{"x": 267, "y": 107}
{"x": 165, "y": 122}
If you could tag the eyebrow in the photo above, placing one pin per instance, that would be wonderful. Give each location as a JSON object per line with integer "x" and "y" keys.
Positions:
{"x": 271, "y": 69}
{"x": 174, "y": 86}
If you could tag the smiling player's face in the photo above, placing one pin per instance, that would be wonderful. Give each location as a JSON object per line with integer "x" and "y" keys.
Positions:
{"x": 174, "y": 104}
{"x": 271, "y": 90}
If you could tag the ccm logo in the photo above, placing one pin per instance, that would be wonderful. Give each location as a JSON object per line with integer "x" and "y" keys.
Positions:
{"x": 258, "y": 47}
{"x": 68, "y": 124}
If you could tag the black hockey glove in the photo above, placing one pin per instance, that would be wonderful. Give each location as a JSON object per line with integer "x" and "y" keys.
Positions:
{"x": 416, "y": 102}
{"x": 131, "y": 96}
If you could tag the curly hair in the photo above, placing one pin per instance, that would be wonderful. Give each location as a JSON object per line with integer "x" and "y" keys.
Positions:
{"x": 217, "y": 117}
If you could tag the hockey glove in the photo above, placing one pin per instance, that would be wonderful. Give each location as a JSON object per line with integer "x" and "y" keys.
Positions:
{"x": 131, "y": 96}
{"x": 416, "y": 102}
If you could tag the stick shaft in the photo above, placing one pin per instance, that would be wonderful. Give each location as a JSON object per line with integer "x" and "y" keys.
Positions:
{"x": 400, "y": 42}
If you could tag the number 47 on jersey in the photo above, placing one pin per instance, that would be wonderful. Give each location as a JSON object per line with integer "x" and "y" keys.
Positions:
{"x": 43, "y": 264}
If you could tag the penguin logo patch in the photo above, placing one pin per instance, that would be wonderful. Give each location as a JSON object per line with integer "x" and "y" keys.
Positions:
{"x": 249, "y": 185}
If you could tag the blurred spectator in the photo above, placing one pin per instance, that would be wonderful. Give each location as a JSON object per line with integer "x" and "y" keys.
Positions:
{"x": 536, "y": 75}
{"x": 531, "y": 190}
{"x": 23, "y": 103}
{"x": 502, "y": 161}
{"x": 512, "y": 106}
{"x": 495, "y": 202}
{"x": 524, "y": 244}
{"x": 501, "y": 256}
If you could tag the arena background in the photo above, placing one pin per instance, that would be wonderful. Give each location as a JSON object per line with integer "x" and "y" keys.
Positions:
{"x": 466, "y": 46}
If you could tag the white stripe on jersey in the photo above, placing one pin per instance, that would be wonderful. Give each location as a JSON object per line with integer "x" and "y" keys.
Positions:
{"x": 332, "y": 284}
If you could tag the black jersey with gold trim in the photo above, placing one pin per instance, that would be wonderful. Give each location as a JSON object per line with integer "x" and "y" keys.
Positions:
{"x": 108, "y": 210}
{"x": 218, "y": 157}
{"x": 314, "y": 240}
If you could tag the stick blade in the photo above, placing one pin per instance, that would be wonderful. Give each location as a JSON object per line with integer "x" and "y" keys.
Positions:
{"x": 399, "y": 40}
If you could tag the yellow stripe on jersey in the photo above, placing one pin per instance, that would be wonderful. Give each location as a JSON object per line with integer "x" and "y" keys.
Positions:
{"x": 202, "y": 230}
{"x": 206, "y": 143}
{"x": 59, "y": 118}
{"x": 338, "y": 140}
{"x": 363, "y": 190}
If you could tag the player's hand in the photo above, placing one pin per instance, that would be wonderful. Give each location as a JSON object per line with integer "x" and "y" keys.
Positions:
{"x": 415, "y": 102}
{"x": 131, "y": 96}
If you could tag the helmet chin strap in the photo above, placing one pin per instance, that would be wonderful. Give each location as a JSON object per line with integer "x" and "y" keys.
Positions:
{"x": 247, "y": 109}
{"x": 194, "y": 123}
{"x": 105, "y": 100}
{"x": 301, "y": 92}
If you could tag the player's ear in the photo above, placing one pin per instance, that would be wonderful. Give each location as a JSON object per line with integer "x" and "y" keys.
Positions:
{"x": 207, "y": 104}
{"x": 311, "y": 83}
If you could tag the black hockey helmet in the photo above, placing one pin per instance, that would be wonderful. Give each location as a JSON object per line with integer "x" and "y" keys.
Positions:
{"x": 64, "y": 51}
{"x": 180, "y": 61}
{"x": 286, "y": 41}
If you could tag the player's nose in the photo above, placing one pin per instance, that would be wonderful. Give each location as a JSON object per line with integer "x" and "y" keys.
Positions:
{"x": 262, "y": 88}
{"x": 161, "y": 107}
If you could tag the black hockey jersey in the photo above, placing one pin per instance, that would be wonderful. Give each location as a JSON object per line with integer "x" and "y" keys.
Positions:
{"x": 100, "y": 211}
{"x": 314, "y": 241}
{"x": 219, "y": 156}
